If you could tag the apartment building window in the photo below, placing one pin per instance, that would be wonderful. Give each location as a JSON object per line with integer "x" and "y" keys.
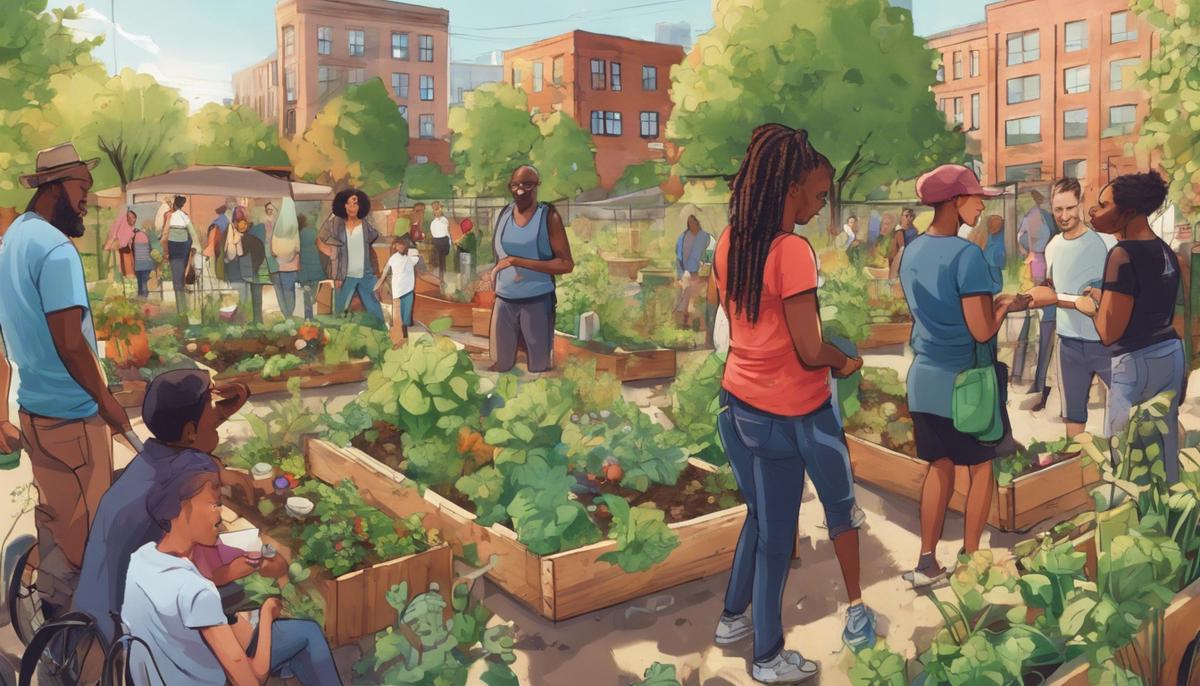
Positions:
{"x": 1024, "y": 89}
{"x": 426, "y": 49}
{"x": 612, "y": 123}
{"x": 289, "y": 123}
{"x": 649, "y": 124}
{"x": 1078, "y": 79}
{"x": 358, "y": 75}
{"x": 1075, "y": 36}
{"x": 649, "y": 78}
{"x": 357, "y": 41}
{"x": 274, "y": 75}
{"x": 614, "y": 76}
{"x": 289, "y": 41}
{"x": 403, "y": 110}
{"x": 941, "y": 71}
{"x": 1120, "y": 73}
{"x": 400, "y": 85}
{"x": 1121, "y": 119}
{"x": 598, "y": 75}
{"x": 1023, "y": 172}
{"x": 538, "y": 76}
{"x": 399, "y": 45}
{"x": 1075, "y": 169}
{"x": 421, "y": 159}
{"x": 556, "y": 71}
{"x": 289, "y": 84}
{"x": 426, "y": 126}
{"x": 942, "y": 105}
{"x": 974, "y": 63}
{"x": 975, "y": 111}
{"x": 324, "y": 40}
{"x": 597, "y": 123}
{"x": 1121, "y": 30}
{"x": 1023, "y": 47}
{"x": 958, "y": 111}
{"x": 516, "y": 77}
{"x": 326, "y": 76}
{"x": 958, "y": 65}
{"x": 1023, "y": 131}
{"x": 426, "y": 88}
{"x": 1075, "y": 124}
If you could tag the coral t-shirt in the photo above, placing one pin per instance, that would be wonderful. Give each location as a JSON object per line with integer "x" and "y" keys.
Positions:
{"x": 763, "y": 368}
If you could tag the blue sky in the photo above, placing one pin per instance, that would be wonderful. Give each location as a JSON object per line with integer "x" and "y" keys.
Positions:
{"x": 196, "y": 45}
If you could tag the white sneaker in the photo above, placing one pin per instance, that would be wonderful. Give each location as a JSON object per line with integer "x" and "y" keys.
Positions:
{"x": 919, "y": 579}
{"x": 730, "y": 630}
{"x": 788, "y": 667}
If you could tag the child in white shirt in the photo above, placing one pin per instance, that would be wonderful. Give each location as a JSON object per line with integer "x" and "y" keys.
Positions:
{"x": 402, "y": 266}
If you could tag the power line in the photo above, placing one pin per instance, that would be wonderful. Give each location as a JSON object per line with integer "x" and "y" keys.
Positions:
{"x": 576, "y": 15}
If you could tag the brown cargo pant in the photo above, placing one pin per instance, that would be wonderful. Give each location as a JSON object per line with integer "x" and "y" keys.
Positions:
{"x": 72, "y": 468}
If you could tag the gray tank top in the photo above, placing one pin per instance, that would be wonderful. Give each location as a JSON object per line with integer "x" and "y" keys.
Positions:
{"x": 531, "y": 242}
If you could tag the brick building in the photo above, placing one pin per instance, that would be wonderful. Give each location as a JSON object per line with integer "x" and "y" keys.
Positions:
{"x": 1047, "y": 88}
{"x": 257, "y": 87}
{"x": 325, "y": 45}
{"x": 617, "y": 88}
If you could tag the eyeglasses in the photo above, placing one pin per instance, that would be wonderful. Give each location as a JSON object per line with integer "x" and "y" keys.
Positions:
{"x": 523, "y": 185}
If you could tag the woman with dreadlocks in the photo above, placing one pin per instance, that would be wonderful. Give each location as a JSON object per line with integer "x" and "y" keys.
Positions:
{"x": 777, "y": 419}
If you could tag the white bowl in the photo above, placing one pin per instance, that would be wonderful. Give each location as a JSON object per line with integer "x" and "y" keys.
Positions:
{"x": 299, "y": 507}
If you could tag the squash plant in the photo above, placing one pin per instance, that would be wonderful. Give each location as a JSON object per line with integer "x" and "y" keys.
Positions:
{"x": 424, "y": 648}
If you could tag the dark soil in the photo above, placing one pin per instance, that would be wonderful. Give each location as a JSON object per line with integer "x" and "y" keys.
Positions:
{"x": 686, "y": 500}
{"x": 230, "y": 352}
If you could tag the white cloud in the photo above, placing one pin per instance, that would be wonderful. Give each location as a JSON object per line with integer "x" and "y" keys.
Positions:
{"x": 92, "y": 16}
{"x": 197, "y": 84}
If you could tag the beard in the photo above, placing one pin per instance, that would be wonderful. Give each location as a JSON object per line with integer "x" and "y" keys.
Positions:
{"x": 66, "y": 218}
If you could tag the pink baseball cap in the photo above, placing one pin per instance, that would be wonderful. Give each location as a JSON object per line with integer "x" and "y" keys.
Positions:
{"x": 950, "y": 181}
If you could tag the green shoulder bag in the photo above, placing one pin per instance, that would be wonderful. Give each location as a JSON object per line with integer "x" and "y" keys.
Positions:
{"x": 975, "y": 405}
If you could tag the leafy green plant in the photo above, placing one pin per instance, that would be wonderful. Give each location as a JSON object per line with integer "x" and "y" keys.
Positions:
{"x": 844, "y": 300}
{"x": 277, "y": 365}
{"x": 658, "y": 674}
{"x": 434, "y": 461}
{"x": 642, "y": 535}
{"x": 694, "y": 407}
{"x": 276, "y": 436}
{"x": 354, "y": 341}
{"x": 254, "y": 363}
{"x": 424, "y": 648}
{"x": 300, "y": 599}
{"x": 879, "y": 666}
{"x": 425, "y": 386}
{"x": 547, "y": 520}
{"x": 594, "y": 391}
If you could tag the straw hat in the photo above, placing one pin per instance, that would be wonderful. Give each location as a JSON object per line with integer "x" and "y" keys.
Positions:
{"x": 57, "y": 163}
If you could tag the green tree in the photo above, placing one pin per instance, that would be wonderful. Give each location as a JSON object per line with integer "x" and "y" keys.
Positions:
{"x": 134, "y": 125}
{"x": 493, "y": 135}
{"x": 427, "y": 182}
{"x": 234, "y": 135}
{"x": 359, "y": 138}
{"x": 35, "y": 48}
{"x": 851, "y": 72}
{"x": 1172, "y": 80}
{"x": 639, "y": 177}
{"x": 565, "y": 157}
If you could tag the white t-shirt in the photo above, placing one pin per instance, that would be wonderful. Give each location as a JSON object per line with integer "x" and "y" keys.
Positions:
{"x": 848, "y": 236}
{"x": 964, "y": 231}
{"x": 1074, "y": 265}
{"x": 439, "y": 227}
{"x": 167, "y": 602}
{"x": 404, "y": 272}
{"x": 356, "y": 249}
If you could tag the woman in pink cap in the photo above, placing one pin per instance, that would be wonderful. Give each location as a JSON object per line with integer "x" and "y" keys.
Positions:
{"x": 949, "y": 290}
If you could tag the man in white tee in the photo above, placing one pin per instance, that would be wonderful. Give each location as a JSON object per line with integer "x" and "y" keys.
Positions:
{"x": 439, "y": 231}
{"x": 402, "y": 267}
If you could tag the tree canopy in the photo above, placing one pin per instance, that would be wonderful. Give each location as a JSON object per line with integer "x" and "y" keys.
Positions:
{"x": 565, "y": 157}
{"x": 427, "y": 182}
{"x": 234, "y": 135}
{"x": 851, "y": 72}
{"x": 493, "y": 135}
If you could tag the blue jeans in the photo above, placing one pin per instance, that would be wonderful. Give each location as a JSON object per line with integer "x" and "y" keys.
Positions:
{"x": 361, "y": 285}
{"x": 285, "y": 291}
{"x": 178, "y": 253}
{"x": 299, "y": 646}
{"x": 250, "y": 295}
{"x": 1139, "y": 376}
{"x": 770, "y": 455}
{"x": 309, "y": 291}
{"x": 143, "y": 283}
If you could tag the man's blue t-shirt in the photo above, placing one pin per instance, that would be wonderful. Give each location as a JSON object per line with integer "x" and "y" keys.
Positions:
{"x": 937, "y": 272}
{"x": 121, "y": 526}
{"x": 41, "y": 273}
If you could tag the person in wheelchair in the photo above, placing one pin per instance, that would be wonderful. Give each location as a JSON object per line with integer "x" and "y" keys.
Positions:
{"x": 175, "y": 613}
{"x": 183, "y": 413}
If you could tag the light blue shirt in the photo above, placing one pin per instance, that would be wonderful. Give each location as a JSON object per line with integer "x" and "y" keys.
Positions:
{"x": 937, "y": 272}
{"x": 1074, "y": 265}
{"x": 41, "y": 273}
{"x": 690, "y": 262}
{"x": 531, "y": 242}
{"x": 167, "y": 602}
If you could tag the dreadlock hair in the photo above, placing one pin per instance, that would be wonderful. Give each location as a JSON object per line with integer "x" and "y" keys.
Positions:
{"x": 777, "y": 157}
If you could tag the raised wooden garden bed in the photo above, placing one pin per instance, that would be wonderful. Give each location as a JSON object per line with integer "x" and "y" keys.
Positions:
{"x": 312, "y": 376}
{"x": 626, "y": 365}
{"x": 1056, "y": 492}
{"x": 558, "y": 586}
{"x": 131, "y": 394}
{"x": 481, "y": 321}
{"x": 427, "y": 308}
{"x": 356, "y": 602}
{"x": 884, "y": 335}
{"x": 626, "y": 267}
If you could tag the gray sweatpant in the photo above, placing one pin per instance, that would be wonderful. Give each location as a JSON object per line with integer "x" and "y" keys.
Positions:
{"x": 533, "y": 321}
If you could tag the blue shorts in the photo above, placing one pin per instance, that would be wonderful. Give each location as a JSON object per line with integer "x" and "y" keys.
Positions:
{"x": 406, "y": 307}
{"x": 1081, "y": 361}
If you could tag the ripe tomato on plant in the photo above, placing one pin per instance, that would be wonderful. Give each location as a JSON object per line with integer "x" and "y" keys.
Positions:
{"x": 359, "y": 529}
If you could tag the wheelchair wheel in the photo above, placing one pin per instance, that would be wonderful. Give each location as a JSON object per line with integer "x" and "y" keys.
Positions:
{"x": 68, "y": 652}
{"x": 24, "y": 601}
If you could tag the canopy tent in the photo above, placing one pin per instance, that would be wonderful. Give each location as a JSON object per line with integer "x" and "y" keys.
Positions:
{"x": 224, "y": 182}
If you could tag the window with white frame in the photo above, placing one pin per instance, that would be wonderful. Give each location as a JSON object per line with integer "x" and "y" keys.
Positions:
{"x": 1024, "y": 89}
{"x": 289, "y": 41}
{"x": 1121, "y": 28}
{"x": 1122, "y": 73}
{"x": 1121, "y": 119}
{"x": 1023, "y": 131}
{"x": 1024, "y": 47}
{"x": 1078, "y": 79}
{"x": 1075, "y": 36}
{"x": 1075, "y": 124}
{"x": 649, "y": 121}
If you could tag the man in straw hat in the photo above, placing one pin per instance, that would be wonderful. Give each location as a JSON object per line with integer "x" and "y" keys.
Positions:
{"x": 67, "y": 414}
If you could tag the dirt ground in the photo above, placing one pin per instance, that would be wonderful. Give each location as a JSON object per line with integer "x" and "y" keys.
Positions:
{"x": 615, "y": 645}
